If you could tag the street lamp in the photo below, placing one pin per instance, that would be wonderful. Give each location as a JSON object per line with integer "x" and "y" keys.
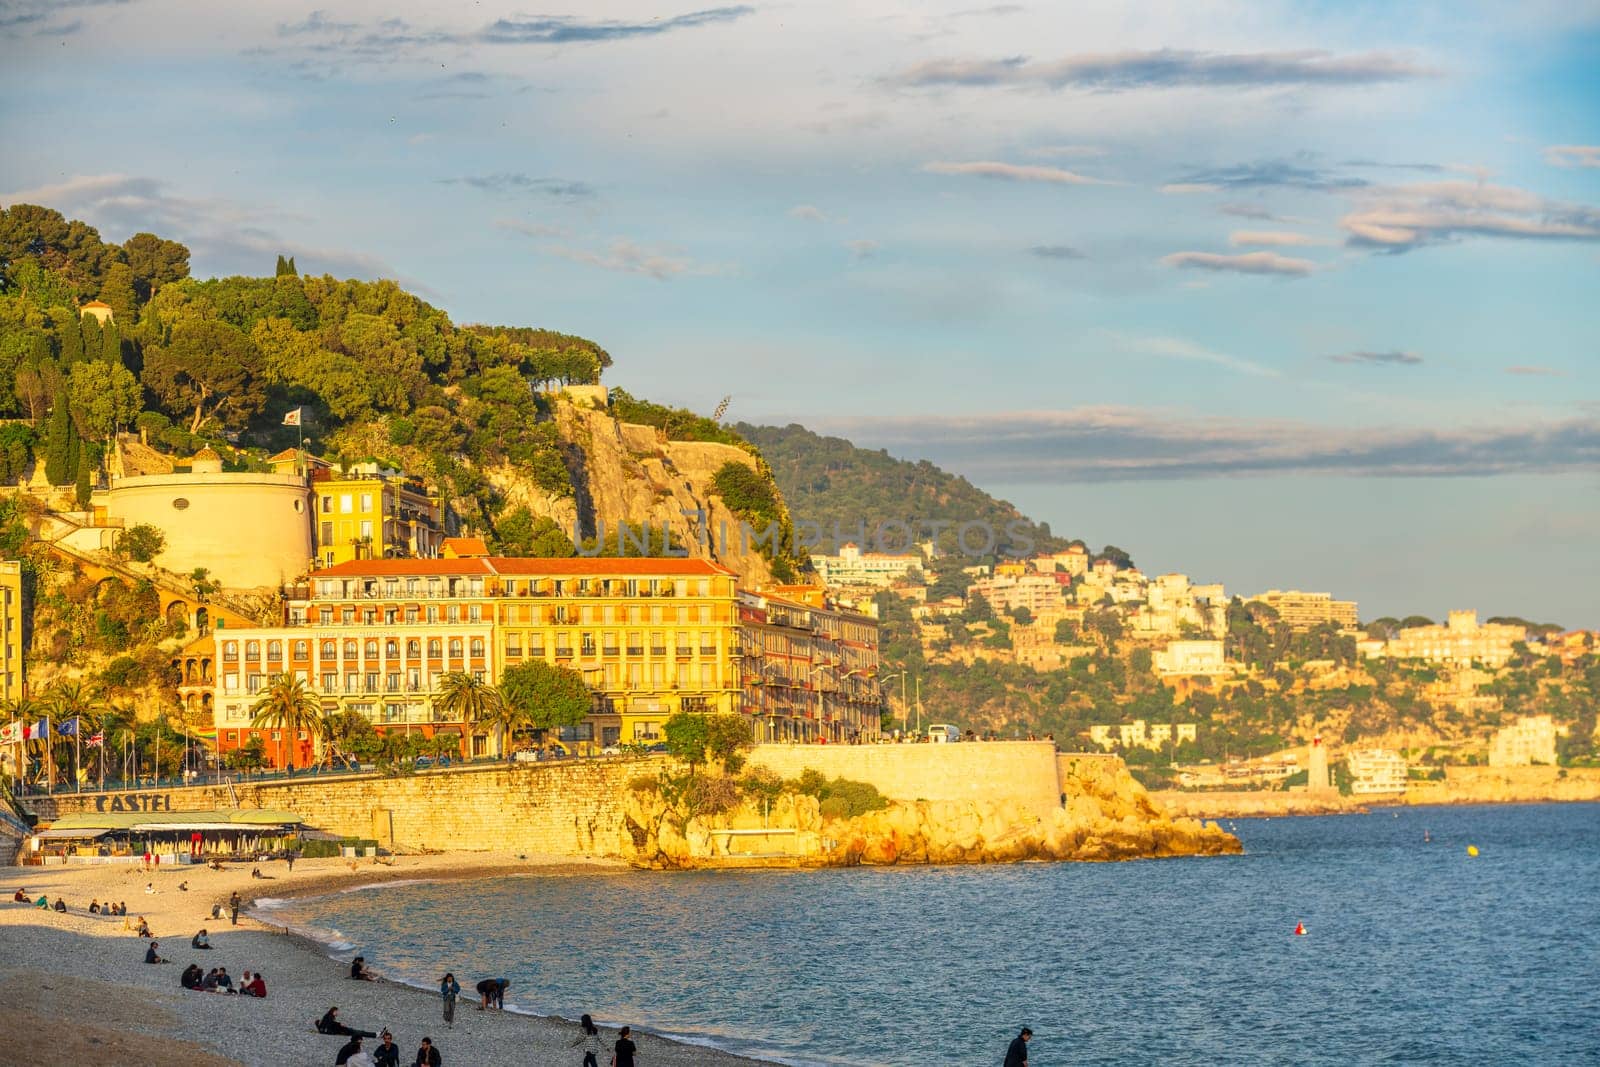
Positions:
{"x": 889, "y": 678}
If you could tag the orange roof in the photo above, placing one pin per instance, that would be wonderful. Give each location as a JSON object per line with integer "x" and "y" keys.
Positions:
{"x": 457, "y": 547}
{"x": 524, "y": 566}
{"x": 95, "y": 304}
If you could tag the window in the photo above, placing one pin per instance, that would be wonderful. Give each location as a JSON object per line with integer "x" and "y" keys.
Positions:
{"x": 366, "y": 501}
{"x": 392, "y": 682}
{"x": 586, "y": 644}
{"x": 275, "y": 650}
{"x": 475, "y": 613}
{"x": 230, "y": 651}
{"x": 372, "y": 681}
{"x": 413, "y": 648}
{"x": 372, "y": 649}
{"x": 254, "y": 682}
{"x": 327, "y": 533}
{"x": 325, "y": 616}
{"x": 330, "y": 682}
{"x": 411, "y": 614}
{"x": 514, "y": 645}
{"x": 346, "y": 503}
{"x": 477, "y": 646}
{"x": 434, "y": 647}
{"x": 352, "y": 682}
{"x": 230, "y": 683}
{"x": 302, "y": 650}
{"x": 330, "y": 649}
{"x": 366, "y": 529}
{"x": 455, "y": 647}
{"x": 391, "y": 649}
{"x": 452, "y": 613}
{"x": 536, "y": 644}
{"x": 348, "y": 616}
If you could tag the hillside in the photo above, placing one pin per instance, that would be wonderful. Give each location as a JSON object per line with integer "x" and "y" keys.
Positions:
{"x": 831, "y": 482}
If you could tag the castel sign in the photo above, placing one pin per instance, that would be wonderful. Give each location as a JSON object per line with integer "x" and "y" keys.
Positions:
{"x": 133, "y": 802}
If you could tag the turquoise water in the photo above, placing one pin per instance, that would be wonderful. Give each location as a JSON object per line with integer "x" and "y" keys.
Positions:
{"x": 1414, "y": 952}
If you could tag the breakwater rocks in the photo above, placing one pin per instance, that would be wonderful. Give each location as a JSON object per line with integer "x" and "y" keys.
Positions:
{"x": 1105, "y": 815}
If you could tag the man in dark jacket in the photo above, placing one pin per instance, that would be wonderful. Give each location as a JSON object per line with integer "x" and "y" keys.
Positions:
{"x": 1017, "y": 1054}
{"x": 350, "y": 1048}
{"x": 330, "y": 1024}
{"x": 427, "y": 1055}
{"x": 386, "y": 1054}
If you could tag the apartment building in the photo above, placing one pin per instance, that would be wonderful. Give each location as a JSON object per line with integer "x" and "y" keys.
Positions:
{"x": 1008, "y": 592}
{"x": 12, "y": 681}
{"x": 809, "y": 667}
{"x": 853, "y": 567}
{"x": 369, "y": 512}
{"x": 1462, "y": 640}
{"x": 1306, "y": 611}
{"x": 1529, "y": 740}
{"x": 1376, "y": 770}
{"x": 1191, "y": 657}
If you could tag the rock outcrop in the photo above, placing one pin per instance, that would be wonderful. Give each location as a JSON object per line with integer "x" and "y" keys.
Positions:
{"x": 1106, "y": 815}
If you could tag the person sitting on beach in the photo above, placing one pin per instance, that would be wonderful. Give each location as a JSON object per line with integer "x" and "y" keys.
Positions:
{"x": 588, "y": 1040}
{"x": 21, "y": 896}
{"x": 427, "y": 1055}
{"x": 200, "y": 940}
{"x": 183, "y": 887}
{"x": 350, "y": 1049}
{"x": 150, "y": 955}
{"x": 359, "y": 972}
{"x": 61, "y": 905}
{"x": 192, "y": 976}
{"x": 330, "y": 1024}
{"x": 42, "y": 902}
{"x": 493, "y": 992}
{"x": 254, "y": 985}
{"x": 94, "y": 907}
{"x": 122, "y": 908}
{"x": 209, "y": 982}
{"x": 386, "y": 1054}
{"x": 150, "y": 889}
{"x": 141, "y": 927}
{"x": 224, "y": 981}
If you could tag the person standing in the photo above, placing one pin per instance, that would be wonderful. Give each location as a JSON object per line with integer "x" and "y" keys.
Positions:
{"x": 449, "y": 990}
{"x": 427, "y": 1055}
{"x": 622, "y": 1052}
{"x": 1017, "y": 1054}
{"x": 233, "y": 907}
{"x": 589, "y": 1041}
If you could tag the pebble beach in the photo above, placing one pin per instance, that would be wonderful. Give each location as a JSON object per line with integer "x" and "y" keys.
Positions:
{"x": 74, "y": 988}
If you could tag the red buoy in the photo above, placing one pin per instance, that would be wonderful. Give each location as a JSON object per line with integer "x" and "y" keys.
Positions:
{"x": 1299, "y": 929}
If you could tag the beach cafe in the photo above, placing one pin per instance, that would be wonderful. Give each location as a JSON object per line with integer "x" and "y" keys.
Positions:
{"x": 175, "y": 836}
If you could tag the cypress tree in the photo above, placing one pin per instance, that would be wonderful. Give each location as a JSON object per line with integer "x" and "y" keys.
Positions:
{"x": 282, "y": 268}
{"x": 293, "y": 270}
{"x": 71, "y": 336}
{"x": 118, "y": 291}
{"x": 57, "y": 469}
{"x": 93, "y": 337}
{"x": 84, "y": 483}
{"x": 74, "y": 451}
{"x": 111, "y": 343}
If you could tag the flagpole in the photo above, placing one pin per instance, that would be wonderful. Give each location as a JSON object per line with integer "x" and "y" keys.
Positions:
{"x": 77, "y": 755}
{"x": 49, "y": 758}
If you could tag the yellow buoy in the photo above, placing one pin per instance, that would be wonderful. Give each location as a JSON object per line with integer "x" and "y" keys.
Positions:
{"x": 1472, "y": 850}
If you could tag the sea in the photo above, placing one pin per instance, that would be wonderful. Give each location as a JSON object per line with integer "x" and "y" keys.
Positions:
{"x": 1413, "y": 950}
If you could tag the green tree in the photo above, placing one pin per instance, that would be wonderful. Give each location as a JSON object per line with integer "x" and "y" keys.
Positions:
{"x": 282, "y": 268}
{"x": 111, "y": 343}
{"x": 208, "y": 368}
{"x": 746, "y": 493}
{"x": 141, "y": 542}
{"x": 464, "y": 696}
{"x": 118, "y": 291}
{"x": 154, "y": 263}
{"x": 69, "y": 337}
{"x": 289, "y": 707}
{"x": 1066, "y": 632}
{"x": 696, "y": 738}
{"x": 58, "y": 450}
{"x": 105, "y": 397}
{"x": 520, "y": 534}
{"x": 547, "y": 696}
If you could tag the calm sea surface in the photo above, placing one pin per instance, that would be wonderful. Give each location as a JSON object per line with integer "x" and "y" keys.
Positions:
{"x": 1414, "y": 953}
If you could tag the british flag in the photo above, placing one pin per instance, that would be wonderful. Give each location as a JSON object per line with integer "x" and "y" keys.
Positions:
{"x": 95, "y": 740}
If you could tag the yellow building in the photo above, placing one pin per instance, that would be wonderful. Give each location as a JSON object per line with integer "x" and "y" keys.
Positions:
{"x": 1461, "y": 640}
{"x": 367, "y": 512}
{"x": 11, "y": 679}
{"x": 1306, "y": 611}
{"x": 651, "y": 637}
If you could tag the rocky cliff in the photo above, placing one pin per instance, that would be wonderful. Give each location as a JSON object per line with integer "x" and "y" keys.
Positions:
{"x": 627, "y": 473}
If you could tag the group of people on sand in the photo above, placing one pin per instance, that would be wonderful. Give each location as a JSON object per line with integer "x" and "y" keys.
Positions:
{"x": 384, "y": 1054}
{"x": 218, "y": 980}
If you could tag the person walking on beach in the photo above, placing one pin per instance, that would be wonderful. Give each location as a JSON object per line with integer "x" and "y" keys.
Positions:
{"x": 589, "y": 1041}
{"x": 427, "y": 1055}
{"x": 449, "y": 990}
{"x": 233, "y": 907}
{"x": 493, "y": 992}
{"x": 1017, "y": 1053}
{"x": 622, "y": 1052}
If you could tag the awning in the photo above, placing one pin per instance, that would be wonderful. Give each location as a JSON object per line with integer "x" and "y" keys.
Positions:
{"x": 158, "y": 827}
{"x": 227, "y": 818}
{"x": 65, "y": 835}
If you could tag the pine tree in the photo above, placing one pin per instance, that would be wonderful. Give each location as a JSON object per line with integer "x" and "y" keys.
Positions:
{"x": 118, "y": 291}
{"x": 111, "y": 343}
{"x": 293, "y": 270}
{"x": 58, "y": 452}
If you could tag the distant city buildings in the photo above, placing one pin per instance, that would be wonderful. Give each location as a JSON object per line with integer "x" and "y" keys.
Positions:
{"x": 1376, "y": 770}
{"x": 853, "y": 567}
{"x": 1140, "y": 734}
{"x": 1191, "y": 657}
{"x": 1006, "y": 593}
{"x": 1306, "y": 611}
{"x": 1529, "y": 740}
{"x": 1462, "y": 640}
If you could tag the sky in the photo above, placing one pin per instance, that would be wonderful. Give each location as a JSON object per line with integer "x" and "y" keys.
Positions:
{"x": 1287, "y": 295}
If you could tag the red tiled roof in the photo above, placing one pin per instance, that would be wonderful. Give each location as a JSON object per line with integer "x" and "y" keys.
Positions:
{"x": 465, "y": 546}
{"x": 521, "y": 566}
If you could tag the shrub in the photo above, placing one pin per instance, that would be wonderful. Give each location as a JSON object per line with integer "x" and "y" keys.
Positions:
{"x": 141, "y": 542}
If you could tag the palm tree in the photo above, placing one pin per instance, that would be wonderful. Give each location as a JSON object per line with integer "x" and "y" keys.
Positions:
{"x": 71, "y": 700}
{"x": 287, "y": 706}
{"x": 471, "y": 699}
{"x": 505, "y": 717}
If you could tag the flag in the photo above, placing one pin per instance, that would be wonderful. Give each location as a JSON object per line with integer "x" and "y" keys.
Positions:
{"x": 95, "y": 740}
{"x": 293, "y": 417}
{"x": 37, "y": 730}
{"x": 69, "y": 728}
{"x": 11, "y": 733}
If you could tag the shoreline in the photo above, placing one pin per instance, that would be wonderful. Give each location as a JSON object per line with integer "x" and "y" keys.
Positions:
{"x": 49, "y": 960}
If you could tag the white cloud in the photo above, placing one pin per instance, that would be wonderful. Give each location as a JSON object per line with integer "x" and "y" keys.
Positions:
{"x": 628, "y": 257}
{"x": 1015, "y": 172}
{"x": 1403, "y": 217}
{"x": 1271, "y": 239}
{"x": 1181, "y": 349}
{"x": 863, "y": 249}
{"x": 1573, "y": 155}
{"x": 808, "y": 213}
{"x": 1168, "y": 68}
{"x": 1245, "y": 263}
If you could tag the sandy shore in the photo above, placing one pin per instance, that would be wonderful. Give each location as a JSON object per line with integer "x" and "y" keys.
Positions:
{"x": 74, "y": 988}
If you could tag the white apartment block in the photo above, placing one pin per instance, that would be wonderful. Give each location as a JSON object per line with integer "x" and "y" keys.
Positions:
{"x": 1529, "y": 740}
{"x": 1140, "y": 734}
{"x": 1376, "y": 770}
{"x": 1005, "y": 593}
{"x": 855, "y": 567}
{"x": 1461, "y": 640}
{"x": 1191, "y": 657}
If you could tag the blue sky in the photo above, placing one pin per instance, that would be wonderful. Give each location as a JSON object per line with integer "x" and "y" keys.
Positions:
{"x": 1277, "y": 294}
